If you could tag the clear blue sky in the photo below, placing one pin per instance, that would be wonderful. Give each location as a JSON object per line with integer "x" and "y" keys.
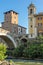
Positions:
{"x": 19, "y": 6}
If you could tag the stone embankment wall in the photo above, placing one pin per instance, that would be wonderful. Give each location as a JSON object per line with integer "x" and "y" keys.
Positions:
{"x": 6, "y": 63}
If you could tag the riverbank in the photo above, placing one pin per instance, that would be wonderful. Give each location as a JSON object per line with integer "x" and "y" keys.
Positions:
{"x": 28, "y": 63}
{"x": 25, "y": 60}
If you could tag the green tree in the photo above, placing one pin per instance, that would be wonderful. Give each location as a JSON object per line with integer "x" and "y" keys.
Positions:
{"x": 18, "y": 52}
{"x": 3, "y": 51}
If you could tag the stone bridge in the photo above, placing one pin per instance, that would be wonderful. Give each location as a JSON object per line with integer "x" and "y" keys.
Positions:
{"x": 11, "y": 40}
{"x": 8, "y": 38}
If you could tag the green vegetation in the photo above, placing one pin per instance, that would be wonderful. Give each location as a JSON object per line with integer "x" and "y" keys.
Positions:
{"x": 3, "y": 51}
{"x": 30, "y": 50}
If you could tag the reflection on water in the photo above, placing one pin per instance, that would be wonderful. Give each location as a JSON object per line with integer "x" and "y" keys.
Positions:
{"x": 22, "y": 60}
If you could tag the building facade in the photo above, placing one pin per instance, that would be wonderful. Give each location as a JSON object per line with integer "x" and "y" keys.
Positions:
{"x": 35, "y": 22}
{"x": 39, "y": 23}
{"x": 11, "y": 23}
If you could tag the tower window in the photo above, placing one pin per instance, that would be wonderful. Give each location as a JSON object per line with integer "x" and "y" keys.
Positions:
{"x": 31, "y": 11}
{"x": 31, "y": 35}
{"x": 31, "y": 26}
{"x": 30, "y": 19}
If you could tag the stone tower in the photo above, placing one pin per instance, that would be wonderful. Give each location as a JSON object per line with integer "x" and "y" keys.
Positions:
{"x": 10, "y": 21}
{"x": 11, "y": 16}
{"x": 31, "y": 21}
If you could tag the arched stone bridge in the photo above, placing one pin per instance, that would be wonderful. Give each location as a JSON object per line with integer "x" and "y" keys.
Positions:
{"x": 11, "y": 39}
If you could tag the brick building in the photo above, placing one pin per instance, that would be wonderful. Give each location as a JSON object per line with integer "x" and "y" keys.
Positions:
{"x": 11, "y": 23}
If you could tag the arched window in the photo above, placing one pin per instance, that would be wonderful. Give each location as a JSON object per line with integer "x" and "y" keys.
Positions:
{"x": 31, "y": 11}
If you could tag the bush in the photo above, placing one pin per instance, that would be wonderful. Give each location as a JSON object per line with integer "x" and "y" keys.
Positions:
{"x": 3, "y": 51}
{"x": 31, "y": 51}
{"x": 18, "y": 52}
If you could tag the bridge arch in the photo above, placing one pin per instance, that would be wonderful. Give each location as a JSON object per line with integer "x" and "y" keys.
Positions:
{"x": 23, "y": 39}
{"x": 8, "y": 39}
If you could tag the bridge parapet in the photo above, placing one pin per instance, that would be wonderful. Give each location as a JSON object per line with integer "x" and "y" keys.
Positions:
{"x": 3, "y": 31}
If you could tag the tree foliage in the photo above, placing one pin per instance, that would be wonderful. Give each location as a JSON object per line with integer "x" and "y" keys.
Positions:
{"x": 3, "y": 51}
{"x": 31, "y": 51}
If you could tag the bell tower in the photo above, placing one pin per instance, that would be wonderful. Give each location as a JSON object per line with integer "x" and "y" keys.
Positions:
{"x": 31, "y": 20}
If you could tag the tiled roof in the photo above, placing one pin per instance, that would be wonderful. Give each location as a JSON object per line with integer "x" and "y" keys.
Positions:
{"x": 39, "y": 14}
{"x": 10, "y": 11}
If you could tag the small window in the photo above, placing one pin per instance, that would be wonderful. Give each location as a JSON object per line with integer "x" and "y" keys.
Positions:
{"x": 31, "y": 35}
{"x": 21, "y": 29}
{"x": 39, "y": 18}
{"x": 15, "y": 17}
{"x": 30, "y": 19}
{"x": 31, "y": 26}
{"x": 31, "y": 11}
{"x": 39, "y": 24}
{"x": 19, "y": 33}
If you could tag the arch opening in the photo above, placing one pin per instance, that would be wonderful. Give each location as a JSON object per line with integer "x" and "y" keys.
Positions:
{"x": 9, "y": 40}
{"x": 24, "y": 40}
